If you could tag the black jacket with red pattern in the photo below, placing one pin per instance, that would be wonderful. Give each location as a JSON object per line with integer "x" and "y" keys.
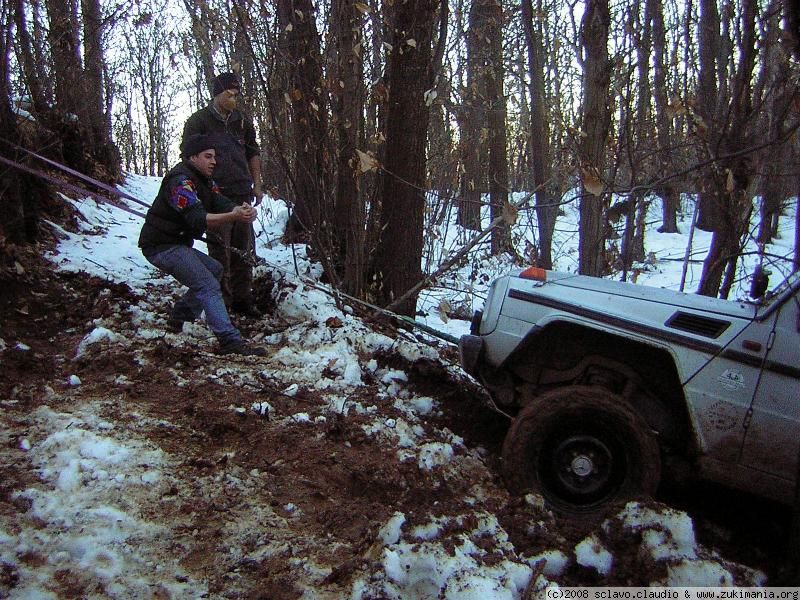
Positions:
{"x": 178, "y": 214}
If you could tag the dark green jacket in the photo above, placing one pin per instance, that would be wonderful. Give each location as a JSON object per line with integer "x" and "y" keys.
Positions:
{"x": 234, "y": 139}
{"x": 178, "y": 214}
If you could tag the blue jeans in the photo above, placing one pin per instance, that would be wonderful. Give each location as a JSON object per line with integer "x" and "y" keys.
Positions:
{"x": 201, "y": 274}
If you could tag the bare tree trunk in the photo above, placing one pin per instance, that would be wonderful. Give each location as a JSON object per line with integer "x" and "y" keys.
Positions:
{"x": 539, "y": 141}
{"x": 441, "y": 158}
{"x": 27, "y": 60}
{"x": 596, "y": 124}
{"x": 474, "y": 145}
{"x": 496, "y": 121}
{"x": 201, "y": 21}
{"x": 94, "y": 99}
{"x": 670, "y": 197}
{"x": 640, "y": 140}
{"x": 399, "y": 252}
{"x": 19, "y": 218}
{"x": 65, "y": 51}
{"x": 149, "y": 68}
{"x": 654, "y": 15}
{"x": 731, "y": 121}
{"x": 309, "y": 125}
{"x": 86, "y": 144}
{"x": 774, "y": 72}
{"x": 348, "y": 105}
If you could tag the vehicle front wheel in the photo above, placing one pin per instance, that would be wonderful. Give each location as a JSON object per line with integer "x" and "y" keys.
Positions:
{"x": 583, "y": 448}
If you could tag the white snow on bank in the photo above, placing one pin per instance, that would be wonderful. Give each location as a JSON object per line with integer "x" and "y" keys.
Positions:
{"x": 428, "y": 565}
{"x": 91, "y": 529}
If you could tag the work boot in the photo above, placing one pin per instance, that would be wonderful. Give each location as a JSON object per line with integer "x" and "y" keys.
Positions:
{"x": 175, "y": 325}
{"x": 177, "y": 317}
{"x": 241, "y": 348}
{"x": 246, "y": 309}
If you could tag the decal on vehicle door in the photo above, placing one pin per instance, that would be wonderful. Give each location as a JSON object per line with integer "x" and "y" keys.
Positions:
{"x": 721, "y": 416}
{"x": 731, "y": 380}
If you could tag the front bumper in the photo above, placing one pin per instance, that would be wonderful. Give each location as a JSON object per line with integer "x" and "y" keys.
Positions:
{"x": 469, "y": 351}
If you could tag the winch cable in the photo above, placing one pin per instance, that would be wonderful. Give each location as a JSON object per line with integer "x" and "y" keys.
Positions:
{"x": 244, "y": 255}
{"x": 336, "y": 294}
{"x": 72, "y": 187}
{"x": 104, "y": 186}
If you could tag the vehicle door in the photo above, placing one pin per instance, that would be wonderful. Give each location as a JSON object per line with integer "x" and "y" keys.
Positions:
{"x": 772, "y": 436}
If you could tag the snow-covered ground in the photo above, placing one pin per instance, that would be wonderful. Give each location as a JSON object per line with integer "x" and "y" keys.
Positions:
{"x": 83, "y": 516}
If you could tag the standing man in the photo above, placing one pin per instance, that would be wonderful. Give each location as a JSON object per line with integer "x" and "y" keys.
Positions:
{"x": 238, "y": 175}
{"x": 187, "y": 205}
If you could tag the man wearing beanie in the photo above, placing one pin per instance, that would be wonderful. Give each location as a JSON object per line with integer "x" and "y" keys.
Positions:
{"x": 238, "y": 174}
{"x": 188, "y": 205}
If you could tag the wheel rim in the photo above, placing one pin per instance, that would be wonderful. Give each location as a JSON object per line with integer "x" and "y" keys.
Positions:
{"x": 582, "y": 469}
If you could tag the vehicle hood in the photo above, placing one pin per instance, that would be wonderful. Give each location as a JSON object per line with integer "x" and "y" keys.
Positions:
{"x": 585, "y": 291}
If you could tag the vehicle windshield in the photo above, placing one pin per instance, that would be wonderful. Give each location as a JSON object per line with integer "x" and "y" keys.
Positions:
{"x": 787, "y": 287}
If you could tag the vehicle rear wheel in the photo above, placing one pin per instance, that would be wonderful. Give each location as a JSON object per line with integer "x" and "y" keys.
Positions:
{"x": 583, "y": 448}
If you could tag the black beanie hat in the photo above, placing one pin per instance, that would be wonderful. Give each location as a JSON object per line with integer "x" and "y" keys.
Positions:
{"x": 195, "y": 144}
{"x": 225, "y": 81}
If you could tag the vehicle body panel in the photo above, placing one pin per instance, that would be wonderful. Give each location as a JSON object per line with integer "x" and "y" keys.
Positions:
{"x": 737, "y": 363}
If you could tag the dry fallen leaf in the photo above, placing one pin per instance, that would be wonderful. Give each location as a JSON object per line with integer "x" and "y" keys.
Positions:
{"x": 675, "y": 107}
{"x": 334, "y": 322}
{"x": 367, "y": 162}
{"x": 510, "y": 213}
{"x": 443, "y": 310}
{"x": 592, "y": 182}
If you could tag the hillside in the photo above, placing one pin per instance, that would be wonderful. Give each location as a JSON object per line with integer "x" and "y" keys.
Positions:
{"x": 355, "y": 460}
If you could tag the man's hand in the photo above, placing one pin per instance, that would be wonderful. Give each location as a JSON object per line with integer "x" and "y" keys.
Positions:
{"x": 244, "y": 213}
{"x": 258, "y": 193}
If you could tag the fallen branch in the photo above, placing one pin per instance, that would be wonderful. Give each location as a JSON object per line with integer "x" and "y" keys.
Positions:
{"x": 448, "y": 264}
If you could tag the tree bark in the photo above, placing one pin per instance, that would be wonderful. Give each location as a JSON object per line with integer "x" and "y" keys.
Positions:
{"x": 201, "y": 24}
{"x": 27, "y": 59}
{"x": 474, "y": 142}
{"x": 496, "y": 122}
{"x": 348, "y": 105}
{"x": 670, "y": 197}
{"x": 539, "y": 141}
{"x": 774, "y": 72}
{"x": 730, "y": 123}
{"x": 596, "y": 121}
{"x": 94, "y": 98}
{"x": 312, "y": 206}
{"x": 19, "y": 218}
{"x": 65, "y": 52}
{"x": 399, "y": 252}
{"x": 86, "y": 143}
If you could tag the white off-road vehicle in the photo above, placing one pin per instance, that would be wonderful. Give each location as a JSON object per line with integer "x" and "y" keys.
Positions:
{"x": 608, "y": 381}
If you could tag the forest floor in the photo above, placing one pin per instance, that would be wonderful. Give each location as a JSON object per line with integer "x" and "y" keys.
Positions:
{"x": 235, "y": 483}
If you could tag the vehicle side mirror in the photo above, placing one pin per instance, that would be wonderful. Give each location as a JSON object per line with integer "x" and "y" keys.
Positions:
{"x": 760, "y": 283}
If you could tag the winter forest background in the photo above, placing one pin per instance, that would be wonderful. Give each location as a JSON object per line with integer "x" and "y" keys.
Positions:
{"x": 378, "y": 119}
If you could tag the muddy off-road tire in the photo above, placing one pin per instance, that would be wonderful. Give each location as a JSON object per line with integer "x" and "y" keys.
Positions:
{"x": 584, "y": 449}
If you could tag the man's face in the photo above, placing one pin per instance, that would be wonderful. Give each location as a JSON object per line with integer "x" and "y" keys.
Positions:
{"x": 205, "y": 161}
{"x": 227, "y": 99}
